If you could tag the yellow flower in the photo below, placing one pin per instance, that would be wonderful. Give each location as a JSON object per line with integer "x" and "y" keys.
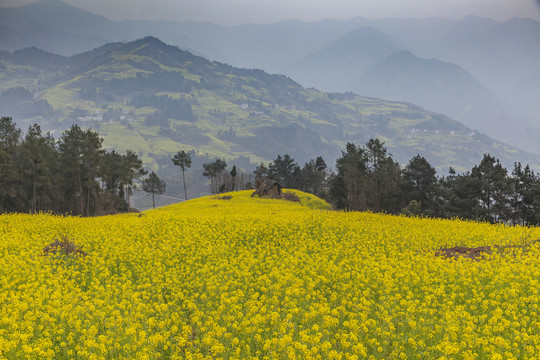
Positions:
{"x": 270, "y": 279}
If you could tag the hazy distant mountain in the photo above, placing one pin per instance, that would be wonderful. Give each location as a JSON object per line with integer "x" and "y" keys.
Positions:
{"x": 62, "y": 16}
{"x": 354, "y": 53}
{"x": 56, "y": 26}
{"x": 48, "y": 38}
{"x": 267, "y": 46}
{"x": 156, "y": 99}
{"x": 526, "y": 94}
{"x": 36, "y": 57}
{"x": 431, "y": 83}
{"x": 10, "y": 39}
{"x": 415, "y": 35}
{"x": 499, "y": 54}
{"x": 449, "y": 89}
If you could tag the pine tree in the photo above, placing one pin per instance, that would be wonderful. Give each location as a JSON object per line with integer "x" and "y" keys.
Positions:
{"x": 154, "y": 185}
{"x": 284, "y": 170}
{"x": 182, "y": 159}
{"x": 214, "y": 171}
{"x": 419, "y": 184}
{"x": 10, "y": 178}
{"x": 494, "y": 188}
{"x": 39, "y": 165}
{"x": 80, "y": 155}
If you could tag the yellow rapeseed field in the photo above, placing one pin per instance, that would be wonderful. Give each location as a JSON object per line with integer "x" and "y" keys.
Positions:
{"x": 250, "y": 278}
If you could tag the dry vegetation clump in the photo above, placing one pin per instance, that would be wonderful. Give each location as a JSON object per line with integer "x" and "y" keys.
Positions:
{"x": 224, "y": 197}
{"x": 290, "y": 196}
{"x": 63, "y": 245}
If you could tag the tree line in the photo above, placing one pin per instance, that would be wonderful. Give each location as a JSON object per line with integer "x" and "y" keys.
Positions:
{"x": 367, "y": 178}
{"x": 75, "y": 175}
{"x": 72, "y": 175}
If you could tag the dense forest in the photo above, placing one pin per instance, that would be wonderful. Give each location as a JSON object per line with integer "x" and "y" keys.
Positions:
{"x": 75, "y": 175}
{"x": 71, "y": 175}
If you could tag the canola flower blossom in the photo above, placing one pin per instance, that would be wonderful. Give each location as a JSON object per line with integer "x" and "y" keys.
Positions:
{"x": 250, "y": 278}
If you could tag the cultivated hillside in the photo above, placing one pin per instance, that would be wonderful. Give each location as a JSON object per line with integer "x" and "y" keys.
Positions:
{"x": 499, "y": 55}
{"x": 157, "y": 99}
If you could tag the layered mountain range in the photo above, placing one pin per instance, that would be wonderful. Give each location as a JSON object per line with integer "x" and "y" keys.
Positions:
{"x": 158, "y": 98}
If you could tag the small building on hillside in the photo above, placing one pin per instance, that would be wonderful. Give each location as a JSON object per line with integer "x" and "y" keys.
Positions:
{"x": 268, "y": 188}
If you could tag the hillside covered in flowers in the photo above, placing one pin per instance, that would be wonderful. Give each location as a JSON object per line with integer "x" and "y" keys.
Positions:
{"x": 236, "y": 277}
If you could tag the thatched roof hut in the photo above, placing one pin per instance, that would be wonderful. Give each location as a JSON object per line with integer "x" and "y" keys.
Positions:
{"x": 268, "y": 188}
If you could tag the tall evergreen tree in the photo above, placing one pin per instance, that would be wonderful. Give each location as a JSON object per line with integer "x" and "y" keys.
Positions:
{"x": 494, "y": 188}
{"x": 383, "y": 178}
{"x": 349, "y": 186}
{"x": 10, "y": 178}
{"x": 284, "y": 170}
{"x": 214, "y": 171}
{"x": 132, "y": 169}
{"x": 80, "y": 154}
{"x": 111, "y": 174}
{"x": 182, "y": 159}
{"x": 39, "y": 165}
{"x": 233, "y": 174}
{"x": 524, "y": 199}
{"x": 313, "y": 177}
{"x": 460, "y": 196}
{"x": 419, "y": 184}
{"x": 154, "y": 185}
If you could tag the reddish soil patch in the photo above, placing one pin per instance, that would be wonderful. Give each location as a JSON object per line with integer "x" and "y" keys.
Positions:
{"x": 466, "y": 252}
{"x": 478, "y": 253}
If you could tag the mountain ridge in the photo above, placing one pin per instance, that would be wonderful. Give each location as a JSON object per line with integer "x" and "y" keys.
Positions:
{"x": 157, "y": 99}
{"x": 352, "y": 53}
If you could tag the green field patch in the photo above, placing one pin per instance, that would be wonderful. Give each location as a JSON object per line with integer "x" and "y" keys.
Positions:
{"x": 118, "y": 136}
{"x": 143, "y": 111}
{"x": 161, "y": 145}
{"x": 216, "y": 146}
{"x": 251, "y": 90}
{"x": 60, "y": 96}
{"x": 320, "y": 122}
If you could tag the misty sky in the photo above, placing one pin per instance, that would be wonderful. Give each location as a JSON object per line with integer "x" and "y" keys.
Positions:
{"x": 231, "y": 12}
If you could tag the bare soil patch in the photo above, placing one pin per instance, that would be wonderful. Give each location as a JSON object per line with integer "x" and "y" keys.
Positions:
{"x": 478, "y": 253}
{"x": 63, "y": 245}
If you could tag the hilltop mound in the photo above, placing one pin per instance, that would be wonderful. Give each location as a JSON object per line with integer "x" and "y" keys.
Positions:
{"x": 233, "y": 201}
